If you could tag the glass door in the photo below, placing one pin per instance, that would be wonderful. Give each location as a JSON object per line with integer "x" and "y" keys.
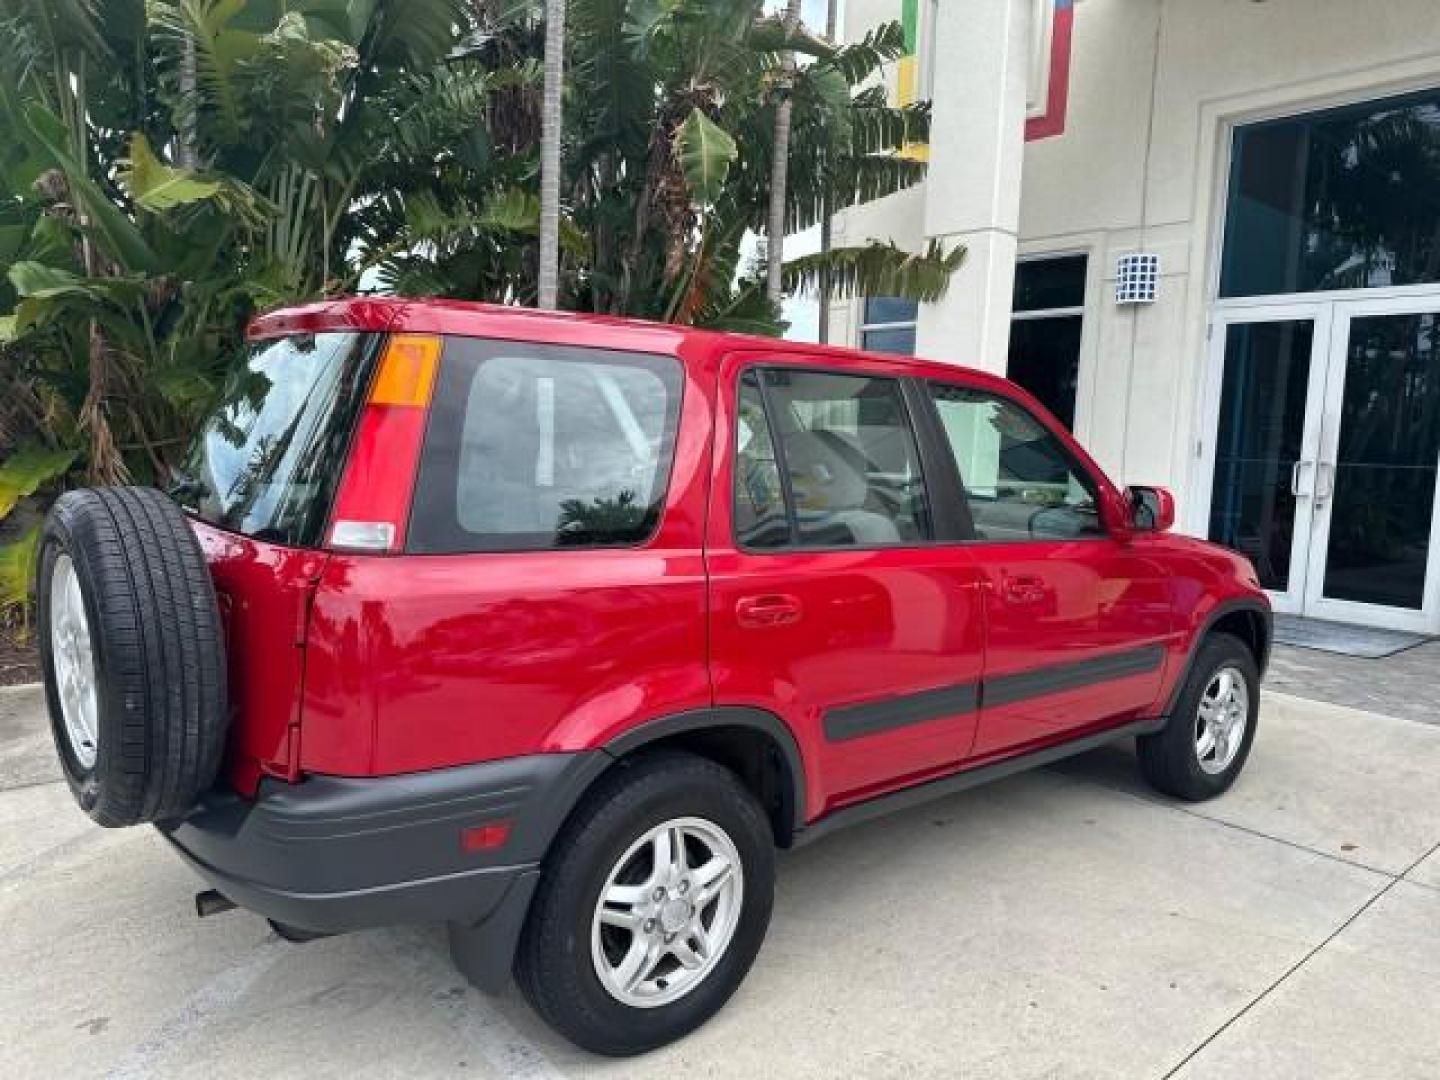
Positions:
{"x": 1372, "y": 555}
{"x": 1264, "y": 404}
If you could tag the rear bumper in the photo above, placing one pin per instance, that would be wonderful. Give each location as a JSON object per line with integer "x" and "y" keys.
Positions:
{"x": 334, "y": 853}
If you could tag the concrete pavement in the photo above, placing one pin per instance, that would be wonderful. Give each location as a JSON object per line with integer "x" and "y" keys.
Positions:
{"x": 1065, "y": 923}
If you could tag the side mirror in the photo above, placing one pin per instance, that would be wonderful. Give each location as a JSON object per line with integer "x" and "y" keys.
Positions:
{"x": 1152, "y": 509}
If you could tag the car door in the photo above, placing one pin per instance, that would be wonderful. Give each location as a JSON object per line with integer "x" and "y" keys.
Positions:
{"x": 1077, "y": 619}
{"x": 834, "y": 599}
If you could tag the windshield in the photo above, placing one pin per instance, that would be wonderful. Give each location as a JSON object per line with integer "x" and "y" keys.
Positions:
{"x": 267, "y": 461}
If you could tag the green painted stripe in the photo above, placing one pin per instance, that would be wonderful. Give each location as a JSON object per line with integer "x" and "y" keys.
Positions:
{"x": 910, "y": 22}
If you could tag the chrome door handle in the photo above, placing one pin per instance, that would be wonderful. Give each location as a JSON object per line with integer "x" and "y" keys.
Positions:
{"x": 773, "y": 609}
{"x": 1296, "y": 472}
{"x": 1023, "y": 589}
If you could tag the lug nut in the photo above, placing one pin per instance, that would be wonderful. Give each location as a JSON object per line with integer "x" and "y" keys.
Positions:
{"x": 659, "y": 895}
{"x": 684, "y": 886}
{"x": 649, "y": 926}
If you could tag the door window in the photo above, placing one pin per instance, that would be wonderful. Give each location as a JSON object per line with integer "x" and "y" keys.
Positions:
{"x": 1259, "y": 444}
{"x": 826, "y": 460}
{"x": 1382, "y": 481}
{"x": 1020, "y": 481}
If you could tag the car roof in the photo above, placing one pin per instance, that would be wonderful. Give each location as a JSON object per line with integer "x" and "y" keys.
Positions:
{"x": 503, "y": 322}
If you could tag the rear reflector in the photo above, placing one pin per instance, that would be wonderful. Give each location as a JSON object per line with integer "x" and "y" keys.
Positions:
{"x": 362, "y": 535}
{"x": 485, "y": 837}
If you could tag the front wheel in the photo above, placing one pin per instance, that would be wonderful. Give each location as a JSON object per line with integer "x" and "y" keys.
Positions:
{"x": 652, "y": 906}
{"x": 1204, "y": 745}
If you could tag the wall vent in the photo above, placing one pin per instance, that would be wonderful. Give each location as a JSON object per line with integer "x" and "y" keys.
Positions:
{"x": 1137, "y": 279}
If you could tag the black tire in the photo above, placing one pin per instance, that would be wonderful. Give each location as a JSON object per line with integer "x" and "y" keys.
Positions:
{"x": 1169, "y": 759}
{"x": 158, "y": 651}
{"x": 553, "y": 965}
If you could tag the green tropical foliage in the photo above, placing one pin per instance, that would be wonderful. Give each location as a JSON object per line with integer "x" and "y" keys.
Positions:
{"x": 168, "y": 167}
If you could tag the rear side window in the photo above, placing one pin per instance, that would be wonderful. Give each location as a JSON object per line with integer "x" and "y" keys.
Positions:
{"x": 266, "y": 462}
{"x": 826, "y": 460}
{"x": 532, "y": 447}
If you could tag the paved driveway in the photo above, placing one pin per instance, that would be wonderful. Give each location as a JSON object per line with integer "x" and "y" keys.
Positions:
{"x": 1059, "y": 924}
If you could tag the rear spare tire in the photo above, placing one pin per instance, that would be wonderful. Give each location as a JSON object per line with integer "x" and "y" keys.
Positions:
{"x": 133, "y": 655}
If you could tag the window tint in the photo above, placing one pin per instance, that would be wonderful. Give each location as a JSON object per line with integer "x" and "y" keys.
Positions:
{"x": 760, "y": 517}
{"x": 1050, "y": 284}
{"x": 1341, "y": 199}
{"x": 1045, "y": 360}
{"x": 851, "y": 466}
{"x": 1020, "y": 481}
{"x": 266, "y": 461}
{"x": 538, "y": 446}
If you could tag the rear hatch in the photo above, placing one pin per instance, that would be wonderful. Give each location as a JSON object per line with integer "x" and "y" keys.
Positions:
{"x": 259, "y": 482}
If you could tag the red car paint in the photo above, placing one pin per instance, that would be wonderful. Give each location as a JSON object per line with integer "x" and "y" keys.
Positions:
{"x": 379, "y": 664}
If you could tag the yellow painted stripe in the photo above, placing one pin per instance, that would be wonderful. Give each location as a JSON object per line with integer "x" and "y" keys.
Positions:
{"x": 907, "y": 80}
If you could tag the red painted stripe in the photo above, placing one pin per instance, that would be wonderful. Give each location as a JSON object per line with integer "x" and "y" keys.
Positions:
{"x": 1058, "y": 100}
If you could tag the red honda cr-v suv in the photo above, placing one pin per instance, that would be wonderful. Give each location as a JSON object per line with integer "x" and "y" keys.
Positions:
{"x": 554, "y": 628}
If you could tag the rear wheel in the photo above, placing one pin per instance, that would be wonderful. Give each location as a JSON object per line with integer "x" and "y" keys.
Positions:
{"x": 652, "y": 907}
{"x": 1208, "y": 737}
{"x": 132, "y": 654}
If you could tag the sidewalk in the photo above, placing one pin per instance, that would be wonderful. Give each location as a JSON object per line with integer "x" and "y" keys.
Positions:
{"x": 1406, "y": 685}
{"x": 1065, "y": 923}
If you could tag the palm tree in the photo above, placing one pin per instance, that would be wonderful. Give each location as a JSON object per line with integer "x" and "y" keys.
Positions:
{"x": 827, "y": 221}
{"x": 550, "y": 120}
{"x": 780, "y": 160}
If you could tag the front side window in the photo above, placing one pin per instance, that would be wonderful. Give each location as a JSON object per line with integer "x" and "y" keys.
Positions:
{"x": 1020, "y": 481}
{"x": 761, "y": 520}
{"x": 840, "y": 462}
{"x": 542, "y": 446}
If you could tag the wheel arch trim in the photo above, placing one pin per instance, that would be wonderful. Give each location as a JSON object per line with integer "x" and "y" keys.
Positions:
{"x": 1225, "y": 608}
{"x": 729, "y": 716}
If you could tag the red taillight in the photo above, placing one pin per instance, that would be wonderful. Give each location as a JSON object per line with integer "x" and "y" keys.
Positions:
{"x": 373, "y": 501}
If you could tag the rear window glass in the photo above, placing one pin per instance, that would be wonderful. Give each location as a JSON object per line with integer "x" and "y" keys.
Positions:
{"x": 541, "y": 446}
{"x": 266, "y": 462}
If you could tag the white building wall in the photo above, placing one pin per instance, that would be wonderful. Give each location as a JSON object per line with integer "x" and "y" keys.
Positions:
{"x": 1155, "y": 87}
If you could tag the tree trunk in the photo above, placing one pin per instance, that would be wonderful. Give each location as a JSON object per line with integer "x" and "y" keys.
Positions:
{"x": 823, "y": 321}
{"x": 550, "y": 122}
{"x": 185, "y": 154}
{"x": 780, "y": 162}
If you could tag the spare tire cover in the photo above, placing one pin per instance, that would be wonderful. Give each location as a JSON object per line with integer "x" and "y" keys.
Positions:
{"x": 133, "y": 654}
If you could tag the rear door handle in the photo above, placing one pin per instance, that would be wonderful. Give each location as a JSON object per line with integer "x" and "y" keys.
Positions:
{"x": 1023, "y": 589}
{"x": 771, "y": 609}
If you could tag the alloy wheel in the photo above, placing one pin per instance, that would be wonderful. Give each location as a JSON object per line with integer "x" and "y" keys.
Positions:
{"x": 73, "y": 654}
{"x": 667, "y": 912}
{"x": 1221, "y": 720}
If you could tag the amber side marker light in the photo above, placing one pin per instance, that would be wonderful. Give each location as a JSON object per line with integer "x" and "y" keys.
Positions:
{"x": 407, "y": 371}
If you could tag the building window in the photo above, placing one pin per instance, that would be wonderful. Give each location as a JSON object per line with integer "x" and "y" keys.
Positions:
{"x": 1340, "y": 199}
{"x": 1049, "y": 309}
{"x": 888, "y": 325}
